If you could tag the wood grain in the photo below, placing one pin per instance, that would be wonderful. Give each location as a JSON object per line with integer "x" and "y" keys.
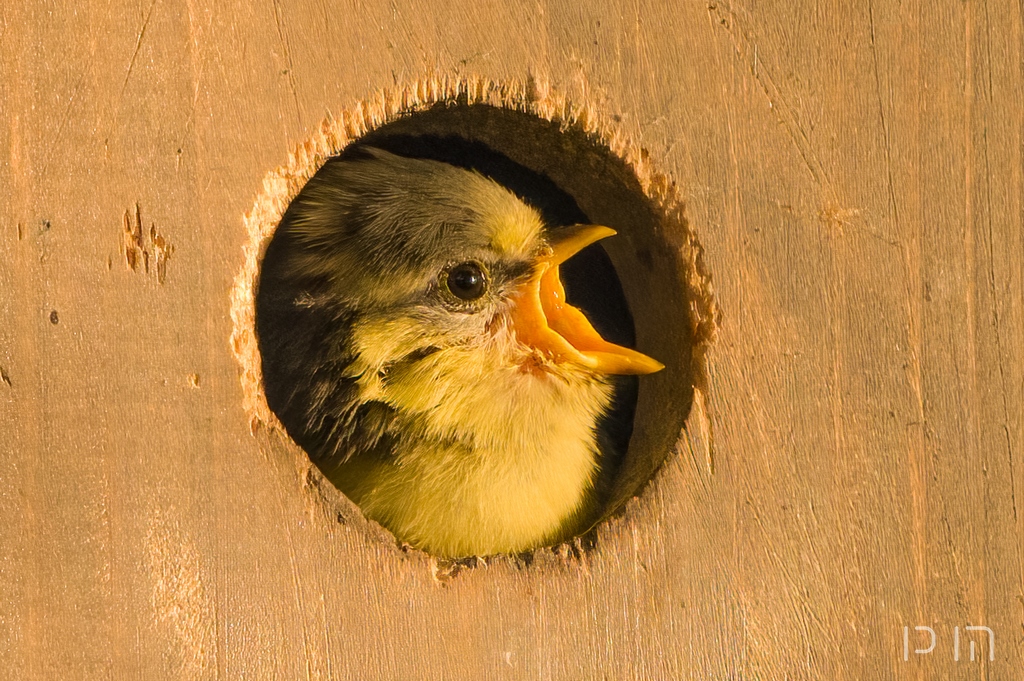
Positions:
{"x": 855, "y": 173}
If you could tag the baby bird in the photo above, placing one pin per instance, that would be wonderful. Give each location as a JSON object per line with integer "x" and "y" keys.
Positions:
{"x": 418, "y": 345}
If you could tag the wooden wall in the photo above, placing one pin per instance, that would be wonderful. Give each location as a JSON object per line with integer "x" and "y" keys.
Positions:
{"x": 854, "y": 172}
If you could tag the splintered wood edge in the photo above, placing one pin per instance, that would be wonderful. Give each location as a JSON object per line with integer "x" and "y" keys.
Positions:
{"x": 533, "y": 96}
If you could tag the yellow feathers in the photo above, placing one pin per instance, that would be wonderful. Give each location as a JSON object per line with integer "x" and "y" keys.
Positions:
{"x": 510, "y": 226}
{"x": 492, "y": 459}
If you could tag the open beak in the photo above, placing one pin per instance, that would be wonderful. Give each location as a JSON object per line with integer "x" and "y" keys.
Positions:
{"x": 543, "y": 320}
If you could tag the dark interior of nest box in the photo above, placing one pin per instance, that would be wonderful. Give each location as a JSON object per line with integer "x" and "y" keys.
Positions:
{"x": 631, "y": 287}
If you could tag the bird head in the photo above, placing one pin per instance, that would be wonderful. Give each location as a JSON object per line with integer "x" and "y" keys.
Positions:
{"x": 428, "y": 256}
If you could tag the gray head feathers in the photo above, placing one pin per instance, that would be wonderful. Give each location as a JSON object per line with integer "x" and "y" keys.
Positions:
{"x": 368, "y": 233}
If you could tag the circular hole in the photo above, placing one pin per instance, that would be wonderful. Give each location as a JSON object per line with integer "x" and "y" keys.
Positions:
{"x": 635, "y": 288}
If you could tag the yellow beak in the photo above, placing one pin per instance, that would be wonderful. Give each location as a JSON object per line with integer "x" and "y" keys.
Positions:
{"x": 543, "y": 320}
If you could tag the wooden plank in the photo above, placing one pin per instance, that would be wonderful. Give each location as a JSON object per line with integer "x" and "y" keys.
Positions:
{"x": 855, "y": 175}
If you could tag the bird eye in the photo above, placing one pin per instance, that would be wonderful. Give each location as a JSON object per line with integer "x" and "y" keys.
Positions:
{"x": 466, "y": 281}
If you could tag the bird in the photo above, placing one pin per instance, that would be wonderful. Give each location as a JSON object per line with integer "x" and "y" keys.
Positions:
{"x": 418, "y": 344}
